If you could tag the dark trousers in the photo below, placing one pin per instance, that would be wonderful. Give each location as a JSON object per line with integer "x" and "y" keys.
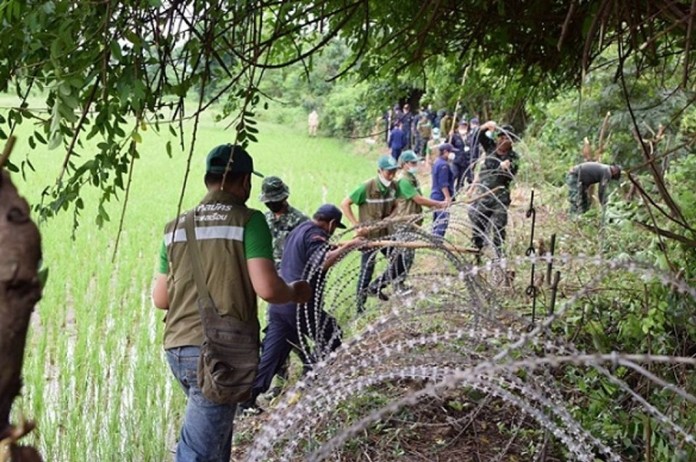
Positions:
{"x": 396, "y": 270}
{"x": 440, "y": 223}
{"x": 458, "y": 175}
{"x": 488, "y": 216}
{"x": 283, "y": 334}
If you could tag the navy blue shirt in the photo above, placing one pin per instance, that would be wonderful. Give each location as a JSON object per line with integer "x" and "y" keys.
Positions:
{"x": 442, "y": 177}
{"x": 397, "y": 139}
{"x": 306, "y": 244}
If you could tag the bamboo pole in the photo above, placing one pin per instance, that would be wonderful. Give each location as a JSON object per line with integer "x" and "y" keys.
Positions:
{"x": 421, "y": 245}
{"x": 456, "y": 106}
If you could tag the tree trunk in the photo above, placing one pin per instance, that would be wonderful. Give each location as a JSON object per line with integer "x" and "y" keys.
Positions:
{"x": 20, "y": 289}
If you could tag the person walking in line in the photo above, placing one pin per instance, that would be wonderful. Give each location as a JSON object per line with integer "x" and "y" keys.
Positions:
{"x": 446, "y": 126}
{"x": 409, "y": 208}
{"x": 397, "y": 141}
{"x": 461, "y": 154}
{"x": 376, "y": 200}
{"x": 498, "y": 169}
{"x": 584, "y": 175}
{"x": 425, "y": 132}
{"x": 408, "y": 126}
{"x": 442, "y": 187}
{"x": 308, "y": 255}
{"x": 313, "y": 122}
{"x": 474, "y": 148}
{"x": 237, "y": 263}
{"x": 281, "y": 216}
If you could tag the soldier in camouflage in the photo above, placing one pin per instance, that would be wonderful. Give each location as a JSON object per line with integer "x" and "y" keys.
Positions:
{"x": 492, "y": 183}
{"x": 581, "y": 177}
{"x": 281, "y": 216}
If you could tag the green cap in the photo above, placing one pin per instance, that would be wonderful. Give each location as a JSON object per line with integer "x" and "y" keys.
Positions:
{"x": 387, "y": 162}
{"x": 218, "y": 160}
{"x": 408, "y": 156}
{"x": 273, "y": 190}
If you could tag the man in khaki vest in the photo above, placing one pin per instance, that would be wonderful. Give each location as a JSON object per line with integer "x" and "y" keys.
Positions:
{"x": 376, "y": 200}
{"x": 409, "y": 209}
{"x": 237, "y": 259}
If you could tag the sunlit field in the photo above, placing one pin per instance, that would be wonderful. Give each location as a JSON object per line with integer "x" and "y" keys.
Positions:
{"x": 95, "y": 376}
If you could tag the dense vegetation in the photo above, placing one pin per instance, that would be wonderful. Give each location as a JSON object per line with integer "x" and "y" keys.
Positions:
{"x": 615, "y": 72}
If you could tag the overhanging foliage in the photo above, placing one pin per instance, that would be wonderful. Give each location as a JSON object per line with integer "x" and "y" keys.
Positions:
{"x": 111, "y": 69}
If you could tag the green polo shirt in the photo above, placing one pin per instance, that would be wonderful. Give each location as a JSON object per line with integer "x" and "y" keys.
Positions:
{"x": 407, "y": 190}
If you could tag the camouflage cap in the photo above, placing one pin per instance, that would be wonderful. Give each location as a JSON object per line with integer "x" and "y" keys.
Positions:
{"x": 273, "y": 190}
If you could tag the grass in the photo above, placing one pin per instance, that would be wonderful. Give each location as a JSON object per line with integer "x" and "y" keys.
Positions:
{"x": 95, "y": 375}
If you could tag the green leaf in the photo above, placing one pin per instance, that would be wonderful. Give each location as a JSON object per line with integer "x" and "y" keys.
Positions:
{"x": 55, "y": 141}
{"x": 42, "y": 275}
{"x": 116, "y": 50}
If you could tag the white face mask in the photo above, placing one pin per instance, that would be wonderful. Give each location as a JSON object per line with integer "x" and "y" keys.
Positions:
{"x": 413, "y": 170}
{"x": 450, "y": 156}
{"x": 386, "y": 183}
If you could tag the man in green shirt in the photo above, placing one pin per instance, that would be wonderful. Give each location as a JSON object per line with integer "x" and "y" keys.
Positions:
{"x": 409, "y": 207}
{"x": 376, "y": 200}
{"x": 237, "y": 261}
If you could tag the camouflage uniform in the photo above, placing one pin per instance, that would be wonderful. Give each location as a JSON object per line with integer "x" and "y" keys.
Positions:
{"x": 281, "y": 227}
{"x": 275, "y": 192}
{"x": 581, "y": 177}
{"x": 579, "y": 200}
{"x": 490, "y": 211}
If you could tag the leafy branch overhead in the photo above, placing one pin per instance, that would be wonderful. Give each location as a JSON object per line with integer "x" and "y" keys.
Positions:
{"x": 110, "y": 70}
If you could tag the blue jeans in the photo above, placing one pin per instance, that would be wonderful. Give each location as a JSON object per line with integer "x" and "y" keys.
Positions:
{"x": 206, "y": 434}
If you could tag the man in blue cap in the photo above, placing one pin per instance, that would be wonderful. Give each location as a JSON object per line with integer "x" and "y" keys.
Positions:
{"x": 307, "y": 255}
{"x": 376, "y": 200}
{"x": 237, "y": 266}
{"x": 442, "y": 187}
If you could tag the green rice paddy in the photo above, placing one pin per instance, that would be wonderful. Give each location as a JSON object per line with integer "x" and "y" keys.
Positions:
{"x": 95, "y": 377}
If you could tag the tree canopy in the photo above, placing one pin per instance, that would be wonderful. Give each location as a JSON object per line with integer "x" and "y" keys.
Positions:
{"x": 111, "y": 69}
